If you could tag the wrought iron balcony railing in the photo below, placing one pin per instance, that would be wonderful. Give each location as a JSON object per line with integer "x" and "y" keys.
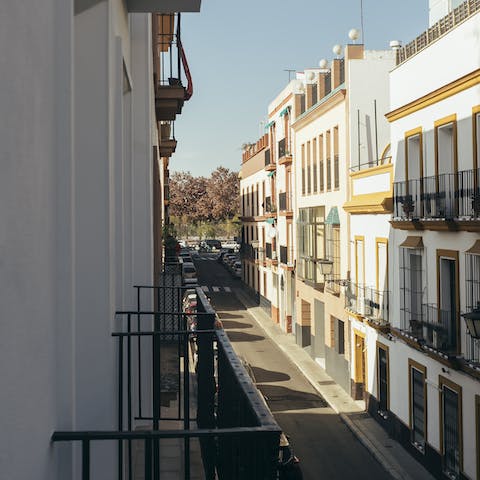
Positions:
{"x": 472, "y": 350}
{"x": 434, "y": 328}
{"x": 450, "y": 196}
{"x": 368, "y": 302}
{"x": 161, "y": 352}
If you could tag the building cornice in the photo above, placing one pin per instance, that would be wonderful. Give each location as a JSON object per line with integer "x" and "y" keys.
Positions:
{"x": 320, "y": 108}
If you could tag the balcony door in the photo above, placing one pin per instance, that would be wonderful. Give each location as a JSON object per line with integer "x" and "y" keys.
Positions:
{"x": 446, "y": 167}
{"x": 447, "y": 263}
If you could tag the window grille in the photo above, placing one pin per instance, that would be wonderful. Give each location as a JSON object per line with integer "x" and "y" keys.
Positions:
{"x": 472, "y": 293}
{"x": 411, "y": 290}
{"x": 418, "y": 408}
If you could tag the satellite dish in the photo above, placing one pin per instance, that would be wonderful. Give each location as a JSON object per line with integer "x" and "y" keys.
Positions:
{"x": 337, "y": 49}
{"x": 354, "y": 34}
{"x": 323, "y": 63}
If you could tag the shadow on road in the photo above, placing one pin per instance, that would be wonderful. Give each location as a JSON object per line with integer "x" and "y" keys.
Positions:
{"x": 228, "y": 315}
{"x": 283, "y": 398}
{"x": 244, "y": 337}
{"x": 265, "y": 376}
{"x": 228, "y": 324}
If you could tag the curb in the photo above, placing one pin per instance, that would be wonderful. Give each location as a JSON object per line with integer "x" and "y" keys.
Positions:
{"x": 362, "y": 438}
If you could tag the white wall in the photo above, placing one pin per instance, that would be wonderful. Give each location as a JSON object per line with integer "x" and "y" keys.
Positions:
{"x": 69, "y": 188}
{"x": 442, "y": 62}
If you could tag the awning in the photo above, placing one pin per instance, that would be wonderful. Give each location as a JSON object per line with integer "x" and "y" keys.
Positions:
{"x": 333, "y": 218}
{"x": 285, "y": 111}
{"x": 412, "y": 242}
{"x": 269, "y": 124}
{"x": 271, "y": 174}
{"x": 474, "y": 249}
{"x": 271, "y": 221}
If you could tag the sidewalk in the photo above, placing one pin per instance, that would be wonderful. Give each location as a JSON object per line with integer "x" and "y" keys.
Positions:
{"x": 389, "y": 453}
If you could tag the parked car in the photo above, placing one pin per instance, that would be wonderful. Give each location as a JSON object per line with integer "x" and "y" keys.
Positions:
{"x": 237, "y": 269}
{"x": 210, "y": 245}
{"x": 189, "y": 274}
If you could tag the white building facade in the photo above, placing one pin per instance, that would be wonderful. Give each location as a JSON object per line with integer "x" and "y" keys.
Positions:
{"x": 78, "y": 215}
{"x": 432, "y": 358}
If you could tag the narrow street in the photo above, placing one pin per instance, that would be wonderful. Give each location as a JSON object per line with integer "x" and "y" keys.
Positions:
{"x": 319, "y": 437}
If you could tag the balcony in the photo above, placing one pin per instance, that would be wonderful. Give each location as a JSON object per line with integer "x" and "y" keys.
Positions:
{"x": 368, "y": 303}
{"x": 269, "y": 208}
{"x": 285, "y": 203}
{"x": 165, "y": 6}
{"x": 179, "y": 389}
{"x": 308, "y": 270}
{"x": 270, "y": 166}
{"x": 284, "y": 156}
{"x": 449, "y": 201}
{"x": 287, "y": 257}
{"x": 169, "y": 63}
{"x": 433, "y": 329}
{"x": 167, "y": 143}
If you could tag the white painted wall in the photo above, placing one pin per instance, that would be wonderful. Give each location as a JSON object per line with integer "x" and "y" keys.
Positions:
{"x": 76, "y": 154}
{"x": 441, "y": 63}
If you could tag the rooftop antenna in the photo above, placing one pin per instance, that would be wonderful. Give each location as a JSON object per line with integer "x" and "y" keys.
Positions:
{"x": 290, "y": 71}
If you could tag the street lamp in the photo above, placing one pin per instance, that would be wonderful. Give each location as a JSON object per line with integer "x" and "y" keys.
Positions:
{"x": 472, "y": 319}
{"x": 326, "y": 266}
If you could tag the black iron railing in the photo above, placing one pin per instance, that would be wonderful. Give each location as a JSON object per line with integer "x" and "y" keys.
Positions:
{"x": 446, "y": 196}
{"x": 368, "y": 302}
{"x": 282, "y": 148}
{"x": 160, "y": 354}
{"x": 434, "y": 328}
{"x": 472, "y": 349}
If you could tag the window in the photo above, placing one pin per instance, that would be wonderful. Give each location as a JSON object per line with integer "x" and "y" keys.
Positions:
{"x": 472, "y": 293}
{"x": 418, "y": 404}
{"x": 359, "y": 260}
{"x": 383, "y": 379}
{"x": 339, "y": 336}
{"x": 450, "y": 427}
{"x": 411, "y": 285}
{"x": 446, "y": 335}
{"x": 309, "y": 170}
{"x": 336, "y": 166}
{"x": 321, "y": 163}
{"x": 303, "y": 169}
{"x": 329, "y": 162}
{"x": 310, "y": 241}
{"x": 314, "y": 165}
{"x": 446, "y": 186}
{"x": 332, "y": 236}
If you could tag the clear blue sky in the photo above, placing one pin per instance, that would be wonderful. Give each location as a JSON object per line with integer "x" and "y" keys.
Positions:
{"x": 237, "y": 52}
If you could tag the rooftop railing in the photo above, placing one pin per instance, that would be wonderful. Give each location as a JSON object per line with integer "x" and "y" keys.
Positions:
{"x": 444, "y": 25}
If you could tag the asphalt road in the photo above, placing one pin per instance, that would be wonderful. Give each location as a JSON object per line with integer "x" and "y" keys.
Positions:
{"x": 326, "y": 447}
